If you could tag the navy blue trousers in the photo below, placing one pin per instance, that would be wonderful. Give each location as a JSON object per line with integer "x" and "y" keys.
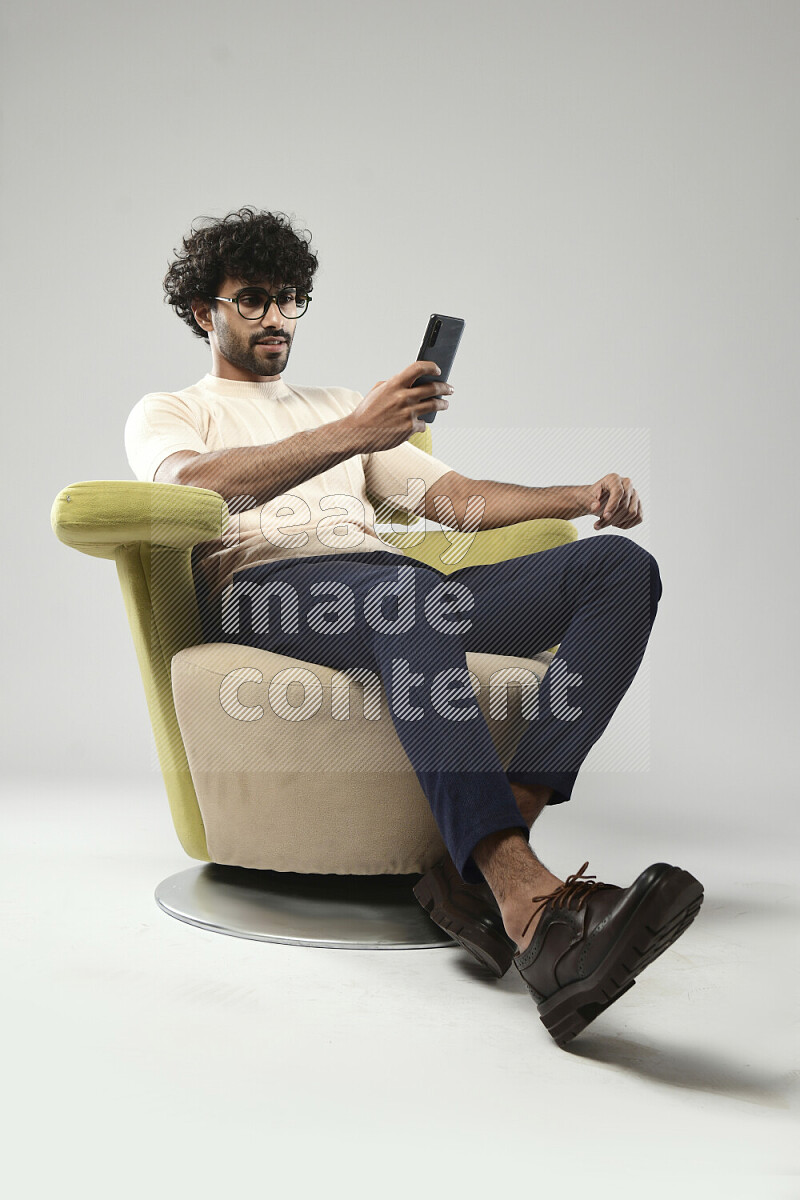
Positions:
{"x": 412, "y": 625}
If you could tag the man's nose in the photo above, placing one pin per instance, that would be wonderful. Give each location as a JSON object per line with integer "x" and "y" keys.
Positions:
{"x": 273, "y": 316}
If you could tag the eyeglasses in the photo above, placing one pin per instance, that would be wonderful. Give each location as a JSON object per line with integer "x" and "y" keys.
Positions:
{"x": 254, "y": 302}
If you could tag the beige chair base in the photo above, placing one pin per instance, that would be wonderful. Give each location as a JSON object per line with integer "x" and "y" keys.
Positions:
{"x": 297, "y": 767}
{"x": 344, "y": 912}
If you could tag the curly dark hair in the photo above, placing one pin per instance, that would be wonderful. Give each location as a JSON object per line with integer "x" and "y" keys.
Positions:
{"x": 246, "y": 244}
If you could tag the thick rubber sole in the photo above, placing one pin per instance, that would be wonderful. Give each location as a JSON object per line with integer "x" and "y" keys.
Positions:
{"x": 666, "y": 911}
{"x": 492, "y": 951}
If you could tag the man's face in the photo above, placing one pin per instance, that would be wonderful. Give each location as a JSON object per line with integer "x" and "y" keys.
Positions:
{"x": 242, "y": 342}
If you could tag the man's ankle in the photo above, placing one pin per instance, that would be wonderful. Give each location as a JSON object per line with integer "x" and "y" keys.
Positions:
{"x": 515, "y": 875}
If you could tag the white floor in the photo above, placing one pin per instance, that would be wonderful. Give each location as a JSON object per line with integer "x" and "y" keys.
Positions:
{"x": 144, "y": 1057}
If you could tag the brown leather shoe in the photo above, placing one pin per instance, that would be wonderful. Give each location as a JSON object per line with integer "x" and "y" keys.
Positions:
{"x": 469, "y": 913}
{"x": 593, "y": 938}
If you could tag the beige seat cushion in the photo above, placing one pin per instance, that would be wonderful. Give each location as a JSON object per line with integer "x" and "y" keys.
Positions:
{"x": 291, "y": 777}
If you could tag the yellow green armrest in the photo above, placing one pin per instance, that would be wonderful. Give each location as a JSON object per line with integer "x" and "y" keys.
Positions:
{"x": 100, "y": 515}
{"x": 452, "y": 551}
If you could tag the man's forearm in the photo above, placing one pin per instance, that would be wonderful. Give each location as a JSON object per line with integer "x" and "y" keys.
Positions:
{"x": 264, "y": 472}
{"x": 508, "y": 503}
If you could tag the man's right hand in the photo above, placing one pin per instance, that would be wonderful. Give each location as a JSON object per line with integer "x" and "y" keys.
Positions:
{"x": 387, "y": 414}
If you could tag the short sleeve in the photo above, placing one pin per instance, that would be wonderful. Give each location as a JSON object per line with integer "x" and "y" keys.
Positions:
{"x": 387, "y": 472}
{"x": 159, "y": 425}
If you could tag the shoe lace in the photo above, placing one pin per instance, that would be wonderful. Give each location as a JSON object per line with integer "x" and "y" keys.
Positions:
{"x": 572, "y": 893}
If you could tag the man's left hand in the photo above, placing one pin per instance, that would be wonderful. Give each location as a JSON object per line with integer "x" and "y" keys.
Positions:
{"x": 615, "y": 501}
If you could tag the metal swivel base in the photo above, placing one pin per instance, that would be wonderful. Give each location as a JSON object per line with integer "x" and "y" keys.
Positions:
{"x": 345, "y": 912}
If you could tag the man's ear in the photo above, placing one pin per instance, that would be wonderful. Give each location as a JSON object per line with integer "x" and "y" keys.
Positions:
{"x": 202, "y": 313}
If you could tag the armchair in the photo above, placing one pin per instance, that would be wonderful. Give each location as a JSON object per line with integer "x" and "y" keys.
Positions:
{"x": 242, "y": 787}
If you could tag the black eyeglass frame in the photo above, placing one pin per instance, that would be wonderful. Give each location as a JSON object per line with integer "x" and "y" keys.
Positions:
{"x": 270, "y": 298}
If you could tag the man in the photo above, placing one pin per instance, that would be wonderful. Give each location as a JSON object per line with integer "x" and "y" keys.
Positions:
{"x": 303, "y": 458}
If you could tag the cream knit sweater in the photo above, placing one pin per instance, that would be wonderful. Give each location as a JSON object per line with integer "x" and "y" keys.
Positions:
{"x": 327, "y": 514}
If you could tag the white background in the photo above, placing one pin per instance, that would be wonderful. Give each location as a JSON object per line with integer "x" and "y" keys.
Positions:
{"x": 606, "y": 192}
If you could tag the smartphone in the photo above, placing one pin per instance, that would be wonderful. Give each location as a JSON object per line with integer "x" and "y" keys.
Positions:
{"x": 439, "y": 345}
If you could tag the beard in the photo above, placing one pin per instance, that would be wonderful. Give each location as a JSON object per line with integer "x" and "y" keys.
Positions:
{"x": 247, "y": 356}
